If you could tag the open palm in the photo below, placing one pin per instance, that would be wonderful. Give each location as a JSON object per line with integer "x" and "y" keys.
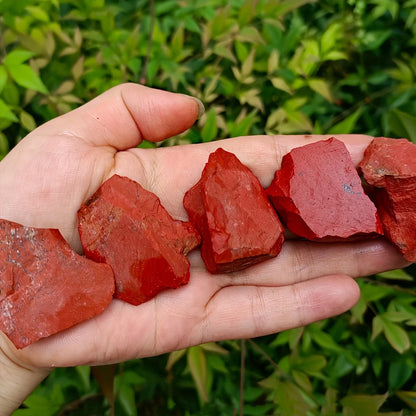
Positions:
{"x": 47, "y": 177}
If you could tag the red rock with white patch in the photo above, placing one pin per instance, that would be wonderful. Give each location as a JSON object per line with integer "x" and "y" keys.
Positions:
{"x": 318, "y": 194}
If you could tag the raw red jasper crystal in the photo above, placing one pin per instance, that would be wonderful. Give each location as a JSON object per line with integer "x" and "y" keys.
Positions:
{"x": 228, "y": 205}
{"x": 45, "y": 287}
{"x": 389, "y": 165}
{"x": 126, "y": 226}
{"x": 319, "y": 196}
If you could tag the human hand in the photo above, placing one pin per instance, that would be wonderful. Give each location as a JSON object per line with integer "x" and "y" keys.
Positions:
{"x": 46, "y": 178}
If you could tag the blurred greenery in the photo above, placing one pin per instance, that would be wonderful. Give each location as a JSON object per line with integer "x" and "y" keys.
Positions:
{"x": 259, "y": 66}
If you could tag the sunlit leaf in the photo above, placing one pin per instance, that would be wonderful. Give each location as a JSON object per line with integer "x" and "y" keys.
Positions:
{"x": 281, "y": 84}
{"x": 17, "y": 57}
{"x": 6, "y": 112}
{"x": 174, "y": 357}
{"x": 397, "y": 274}
{"x": 396, "y": 336}
{"x": 322, "y": 87}
{"x": 27, "y": 120}
{"x": 26, "y": 77}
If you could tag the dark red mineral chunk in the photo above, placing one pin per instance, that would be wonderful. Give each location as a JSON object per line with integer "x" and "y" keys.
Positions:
{"x": 126, "y": 226}
{"x": 228, "y": 205}
{"x": 318, "y": 194}
{"x": 389, "y": 166}
{"x": 45, "y": 287}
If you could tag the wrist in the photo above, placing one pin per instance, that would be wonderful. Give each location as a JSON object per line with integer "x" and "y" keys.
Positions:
{"x": 17, "y": 378}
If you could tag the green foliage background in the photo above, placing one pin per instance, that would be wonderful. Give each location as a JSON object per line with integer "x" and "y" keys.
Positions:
{"x": 259, "y": 66}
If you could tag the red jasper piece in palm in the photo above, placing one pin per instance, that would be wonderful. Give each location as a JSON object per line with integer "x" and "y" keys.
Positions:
{"x": 318, "y": 194}
{"x": 389, "y": 166}
{"x": 45, "y": 287}
{"x": 125, "y": 226}
{"x": 229, "y": 207}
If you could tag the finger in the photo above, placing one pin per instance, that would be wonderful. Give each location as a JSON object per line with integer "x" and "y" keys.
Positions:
{"x": 304, "y": 260}
{"x": 127, "y": 114}
{"x": 198, "y": 313}
{"x": 250, "y": 311}
{"x": 262, "y": 154}
{"x": 163, "y": 169}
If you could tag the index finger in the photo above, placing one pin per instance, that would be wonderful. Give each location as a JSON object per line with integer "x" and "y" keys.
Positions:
{"x": 170, "y": 172}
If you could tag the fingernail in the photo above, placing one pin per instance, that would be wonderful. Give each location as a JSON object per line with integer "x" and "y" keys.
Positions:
{"x": 201, "y": 107}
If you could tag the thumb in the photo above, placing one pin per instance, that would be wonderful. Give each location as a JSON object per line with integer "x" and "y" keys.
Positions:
{"x": 126, "y": 114}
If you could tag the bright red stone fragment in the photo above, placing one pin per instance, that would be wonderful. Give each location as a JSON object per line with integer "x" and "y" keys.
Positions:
{"x": 229, "y": 207}
{"x": 319, "y": 196}
{"x": 45, "y": 287}
{"x": 126, "y": 226}
{"x": 389, "y": 165}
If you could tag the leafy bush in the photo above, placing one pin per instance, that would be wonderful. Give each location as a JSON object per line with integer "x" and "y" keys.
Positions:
{"x": 259, "y": 66}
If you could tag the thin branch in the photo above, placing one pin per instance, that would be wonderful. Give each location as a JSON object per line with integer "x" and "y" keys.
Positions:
{"x": 242, "y": 375}
{"x": 150, "y": 42}
{"x": 75, "y": 404}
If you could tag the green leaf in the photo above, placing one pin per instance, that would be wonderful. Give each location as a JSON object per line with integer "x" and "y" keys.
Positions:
{"x": 177, "y": 42}
{"x": 378, "y": 327}
{"x": 84, "y": 372}
{"x": 197, "y": 364}
{"x": 311, "y": 364}
{"x": 250, "y": 34}
{"x": 3, "y": 77}
{"x": 6, "y": 112}
{"x": 273, "y": 61}
{"x": 397, "y": 274}
{"x": 17, "y": 57}
{"x": 27, "y": 121}
{"x": 210, "y": 130}
{"x": 347, "y": 125}
{"x": 321, "y": 87}
{"x": 409, "y": 397}
{"x": 38, "y": 13}
{"x": 127, "y": 399}
{"x": 403, "y": 124}
{"x": 173, "y": 358}
{"x": 247, "y": 66}
{"x": 285, "y": 6}
{"x": 399, "y": 373}
{"x": 214, "y": 347}
{"x": 396, "y": 336}
{"x": 26, "y": 77}
{"x": 281, "y": 84}
{"x": 330, "y": 37}
{"x": 291, "y": 399}
{"x": 326, "y": 341}
{"x": 4, "y": 145}
{"x": 367, "y": 405}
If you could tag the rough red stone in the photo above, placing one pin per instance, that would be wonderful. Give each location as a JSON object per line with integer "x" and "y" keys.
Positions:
{"x": 45, "y": 287}
{"x": 389, "y": 166}
{"x": 318, "y": 194}
{"x": 126, "y": 226}
{"x": 229, "y": 207}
